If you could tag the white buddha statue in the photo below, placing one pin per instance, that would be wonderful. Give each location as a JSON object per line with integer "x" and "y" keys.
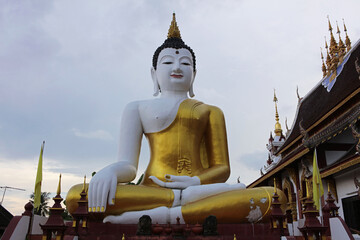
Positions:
{"x": 189, "y": 160}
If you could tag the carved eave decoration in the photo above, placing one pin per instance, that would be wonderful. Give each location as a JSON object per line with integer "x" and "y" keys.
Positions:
{"x": 348, "y": 119}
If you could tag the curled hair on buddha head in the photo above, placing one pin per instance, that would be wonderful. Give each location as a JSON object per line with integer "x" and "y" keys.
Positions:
{"x": 173, "y": 41}
{"x": 176, "y": 43}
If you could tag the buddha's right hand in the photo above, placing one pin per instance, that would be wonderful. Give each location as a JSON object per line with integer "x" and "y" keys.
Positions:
{"x": 102, "y": 187}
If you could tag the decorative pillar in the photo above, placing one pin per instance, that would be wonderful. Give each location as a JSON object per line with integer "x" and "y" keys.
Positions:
{"x": 312, "y": 229}
{"x": 277, "y": 217}
{"x": 329, "y": 210}
{"x": 29, "y": 212}
{"x": 55, "y": 223}
{"x": 81, "y": 215}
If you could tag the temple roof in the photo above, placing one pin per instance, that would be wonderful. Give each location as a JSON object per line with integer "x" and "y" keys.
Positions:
{"x": 313, "y": 108}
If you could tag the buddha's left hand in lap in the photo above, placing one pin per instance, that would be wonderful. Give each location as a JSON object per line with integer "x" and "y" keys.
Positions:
{"x": 176, "y": 182}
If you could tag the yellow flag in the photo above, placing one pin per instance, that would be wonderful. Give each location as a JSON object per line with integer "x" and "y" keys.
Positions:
{"x": 37, "y": 191}
{"x": 318, "y": 189}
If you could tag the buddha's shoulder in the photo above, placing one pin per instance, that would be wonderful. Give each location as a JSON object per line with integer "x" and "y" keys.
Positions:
{"x": 151, "y": 104}
{"x": 196, "y": 104}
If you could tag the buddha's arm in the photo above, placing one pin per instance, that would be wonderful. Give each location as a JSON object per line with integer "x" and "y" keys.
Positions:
{"x": 103, "y": 184}
{"x": 217, "y": 149}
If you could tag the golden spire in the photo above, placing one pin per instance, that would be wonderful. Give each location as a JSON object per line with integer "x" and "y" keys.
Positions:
{"x": 323, "y": 64}
{"x": 234, "y": 236}
{"x": 328, "y": 58}
{"x": 123, "y": 237}
{"x": 333, "y": 44}
{"x": 278, "y": 129}
{"x": 330, "y": 27}
{"x": 174, "y": 31}
{"x": 342, "y": 47}
{"x": 84, "y": 185}
{"x": 59, "y": 186}
{"x": 347, "y": 39}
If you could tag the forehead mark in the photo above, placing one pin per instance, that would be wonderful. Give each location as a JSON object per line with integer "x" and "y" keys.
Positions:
{"x": 177, "y": 52}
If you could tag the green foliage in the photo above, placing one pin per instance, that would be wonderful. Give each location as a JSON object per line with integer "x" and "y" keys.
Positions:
{"x": 43, "y": 209}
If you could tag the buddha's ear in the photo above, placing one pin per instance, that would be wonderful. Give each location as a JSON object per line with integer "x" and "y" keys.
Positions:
{"x": 155, "y": 81}
{"x": 191, "y": 90}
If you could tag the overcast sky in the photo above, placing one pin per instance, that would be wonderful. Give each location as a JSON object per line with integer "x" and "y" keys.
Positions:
{"x": 68, "y": 68}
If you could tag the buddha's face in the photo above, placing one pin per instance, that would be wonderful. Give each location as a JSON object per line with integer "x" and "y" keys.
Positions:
{"x": 174, "y": 70}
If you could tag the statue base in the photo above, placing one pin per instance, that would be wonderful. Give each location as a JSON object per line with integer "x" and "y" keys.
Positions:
{"x": 108, "y": 231}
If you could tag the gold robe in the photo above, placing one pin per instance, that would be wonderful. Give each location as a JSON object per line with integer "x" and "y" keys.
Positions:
{"x": 194, "y": 144}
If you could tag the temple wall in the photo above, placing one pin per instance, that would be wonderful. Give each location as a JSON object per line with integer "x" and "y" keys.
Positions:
{"x": 333, "y": 156}
{"x": 345, "y": 188}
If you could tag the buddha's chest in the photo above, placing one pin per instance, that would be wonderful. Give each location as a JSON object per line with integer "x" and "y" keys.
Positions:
{"x": 160, "y": 115}
{"x": 157, "y": 115}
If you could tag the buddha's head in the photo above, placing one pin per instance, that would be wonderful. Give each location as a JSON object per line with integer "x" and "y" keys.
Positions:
{"x": 174, "y": 64}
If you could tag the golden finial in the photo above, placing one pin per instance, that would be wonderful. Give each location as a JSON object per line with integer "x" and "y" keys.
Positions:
{"x": 174, "y": 31}
{"x": 84, "y": 185}
{"x": 328, "y": 187}
{"x": 278, "y": 129}
{"x": 333, "y": 44}
{"x": 330, "y": 27}
{"x": 123, "y": 237}
{"x": 59, "y": 186}
{"x": 234, "y": 236}
{"x": 341, "y": 44}
{"x": 328, "y": 58}
{"x": 347, "y": 39}
{"x": 275, "y": 190}
{"x": 307, "y": 188}
{"x": 323, "y": 64}
{"x": 326, "y": 45}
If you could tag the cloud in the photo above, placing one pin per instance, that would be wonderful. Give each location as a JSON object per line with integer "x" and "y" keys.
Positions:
{"x": 97, "y": 134}
{"x": 68, "y": 68}
{"x": 246, "y": 174}
{"x": 21, "y": 173}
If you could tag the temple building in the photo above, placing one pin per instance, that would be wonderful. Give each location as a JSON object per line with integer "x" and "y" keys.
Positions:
{"x": 327, "y": 119}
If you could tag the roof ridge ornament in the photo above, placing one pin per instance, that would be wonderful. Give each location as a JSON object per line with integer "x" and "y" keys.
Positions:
{"x": 335, "y": 56}
{"x": 347, "y": 39}
{"x": 342, "y": 48}
{"x": 174, "y": 31}
{"x": 323, "y": 67}
{"x": 328, "y": 58}
{"x": 333, "y": 43}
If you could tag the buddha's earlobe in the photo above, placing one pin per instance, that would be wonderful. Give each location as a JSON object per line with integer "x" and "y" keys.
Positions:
{"x": 191, "y": 90}
{"x": 155, "y": 81}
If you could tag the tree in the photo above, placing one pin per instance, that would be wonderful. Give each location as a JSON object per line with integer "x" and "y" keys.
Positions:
{"x": 66, "y": 215}
{"x": 43, "y": 209}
